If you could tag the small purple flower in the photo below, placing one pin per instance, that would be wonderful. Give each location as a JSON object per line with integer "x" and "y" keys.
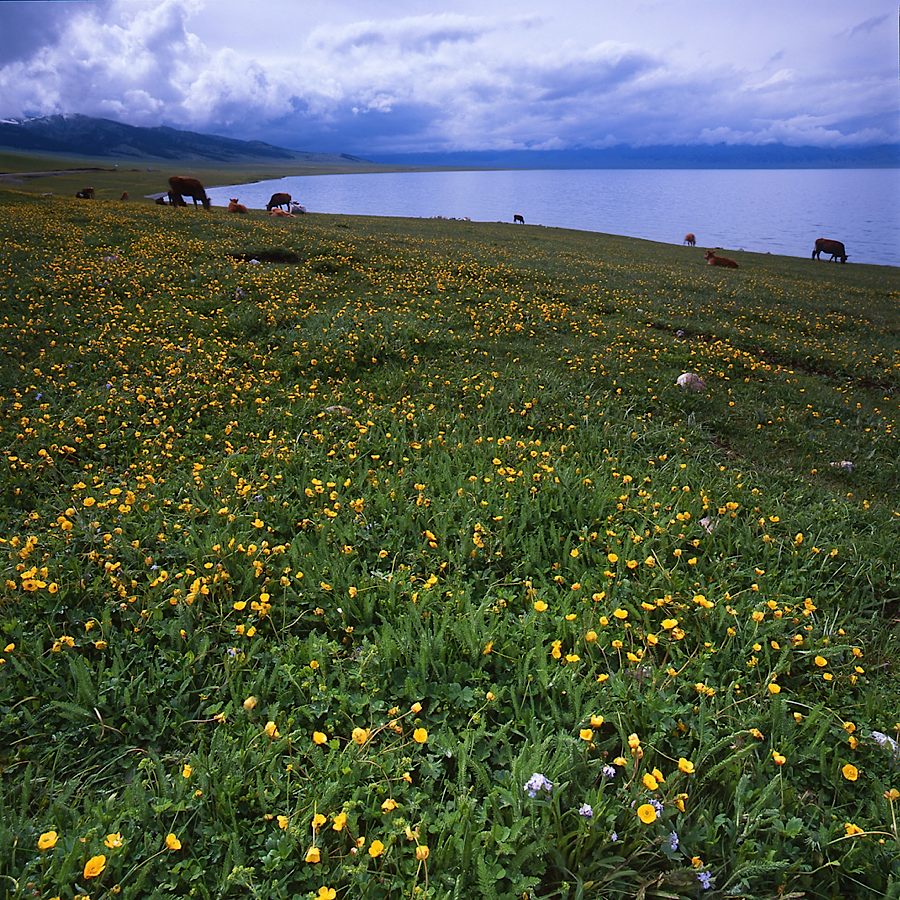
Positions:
{"x": 673, "y": 841}
{"x": 705, "y": 878}
{"x": 614, "y": 836}
{"x": 586, "y": 810}
{"x": 536, "y": 783}
{"x": 608, "y": 771}
{"x": 656, "y": 805}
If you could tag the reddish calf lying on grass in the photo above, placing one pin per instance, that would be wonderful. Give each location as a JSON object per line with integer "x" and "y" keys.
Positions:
{"x": 235, "y": 207}
{"x": 713, "y": 260}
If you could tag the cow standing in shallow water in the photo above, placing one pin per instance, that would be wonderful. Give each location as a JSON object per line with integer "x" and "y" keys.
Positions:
{"x": 835, "y": 248}
{"x": 279, "y": 200}
{"x": 181, "y": 187}
{"x": 713, "y": 260}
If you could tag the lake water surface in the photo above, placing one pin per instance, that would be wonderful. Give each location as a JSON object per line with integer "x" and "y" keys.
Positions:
{"x": 763, "y": 210}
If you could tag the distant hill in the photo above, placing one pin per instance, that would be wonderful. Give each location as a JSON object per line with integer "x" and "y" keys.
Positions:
{"x": 88, "y": 136}
{"x": 715, "y": 156}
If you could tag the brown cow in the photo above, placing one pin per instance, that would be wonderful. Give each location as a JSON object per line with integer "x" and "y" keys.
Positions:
{"x": 235, "y": 207}
{"x": 181, "y": 187}
{"x": 280, "y": 212}
{"x": 85, "y": 194}
{"x": 835, "y": 248}
{"x": 518, "y": 218}
{"x": 713, "y": 260}
{"x": 279, "y": 200}
{"x": 690, "y": 239}
{"x": 124, "y": 195}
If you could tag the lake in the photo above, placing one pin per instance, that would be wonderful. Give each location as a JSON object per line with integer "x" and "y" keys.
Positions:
{"x": 762, "y": 210}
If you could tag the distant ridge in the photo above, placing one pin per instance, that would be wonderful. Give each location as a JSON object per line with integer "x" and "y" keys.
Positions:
{"x": 712, "y": 156}
{"x": 88, "y": 136}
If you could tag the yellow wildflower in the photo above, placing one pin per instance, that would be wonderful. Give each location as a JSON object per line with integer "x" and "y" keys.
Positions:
{"x": 647, "y": 813}
{"x": 94, "y": 866}
{"x": 47, "y": 841}
{"x": 650, "y": 782}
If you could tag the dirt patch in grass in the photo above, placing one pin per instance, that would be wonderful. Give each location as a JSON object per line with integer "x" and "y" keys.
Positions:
{"x": 270, "y": 256}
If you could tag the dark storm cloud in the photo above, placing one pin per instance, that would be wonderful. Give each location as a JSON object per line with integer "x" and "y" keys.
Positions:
{"x": 404, "y": 37}
{"x": 25, "y": 27}
{"x": 868, "y": 26}
{"x": 592, "y": 76}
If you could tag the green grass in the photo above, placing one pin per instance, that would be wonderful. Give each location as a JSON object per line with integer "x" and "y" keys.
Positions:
{"x": 379, "y": 532}
{"x": 63, "y": 176}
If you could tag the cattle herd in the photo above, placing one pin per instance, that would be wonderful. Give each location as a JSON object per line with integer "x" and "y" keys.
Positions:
{"x": 283, "y": 205}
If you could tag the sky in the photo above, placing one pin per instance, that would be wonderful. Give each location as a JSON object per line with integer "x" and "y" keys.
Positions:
{"x": 396, "y": 76}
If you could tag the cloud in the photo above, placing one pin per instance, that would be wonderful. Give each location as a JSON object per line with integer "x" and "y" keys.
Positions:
{"x": 417, "y": 34}
{"x": 27, "y": 27}
{"x": 777, "y": 79}
{"x": 870, "y": 25}
{"x": 481, "y": 80}
{"x": 106, "y": 53}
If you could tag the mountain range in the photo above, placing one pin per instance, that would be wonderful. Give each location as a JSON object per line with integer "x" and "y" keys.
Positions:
{"x": 89, "y": 136}
{"x": 695, "y": 156}
{"x": 94, "y": 137}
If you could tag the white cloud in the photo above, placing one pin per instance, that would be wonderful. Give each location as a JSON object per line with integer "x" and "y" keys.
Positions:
{"x": 777, "y": 79}
{"x": 483, "y": 77}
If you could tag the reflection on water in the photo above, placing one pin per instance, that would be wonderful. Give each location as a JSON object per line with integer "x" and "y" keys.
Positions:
{"x": 777, "y": 211}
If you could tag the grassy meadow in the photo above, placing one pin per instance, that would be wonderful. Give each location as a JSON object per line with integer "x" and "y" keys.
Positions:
{"x": 378, "y": 558}
{"x": 63, "y": 176}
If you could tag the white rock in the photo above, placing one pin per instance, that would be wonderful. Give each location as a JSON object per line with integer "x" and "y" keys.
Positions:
{"x": 690, "y": 381}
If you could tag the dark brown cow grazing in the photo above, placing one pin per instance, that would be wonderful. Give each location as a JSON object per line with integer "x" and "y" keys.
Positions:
{"x": 518, "y": 218}
{"x": 85, "y": 194}
{"x": 279, "y": 200}
{"x": 124, "y": 195}
{"x": 181, "y": 187}
{"x": 235, "y": 207}
{"x": 835, "y": 248}
{"x": 690, "y": 240}
{"x": 713, "y": 260}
